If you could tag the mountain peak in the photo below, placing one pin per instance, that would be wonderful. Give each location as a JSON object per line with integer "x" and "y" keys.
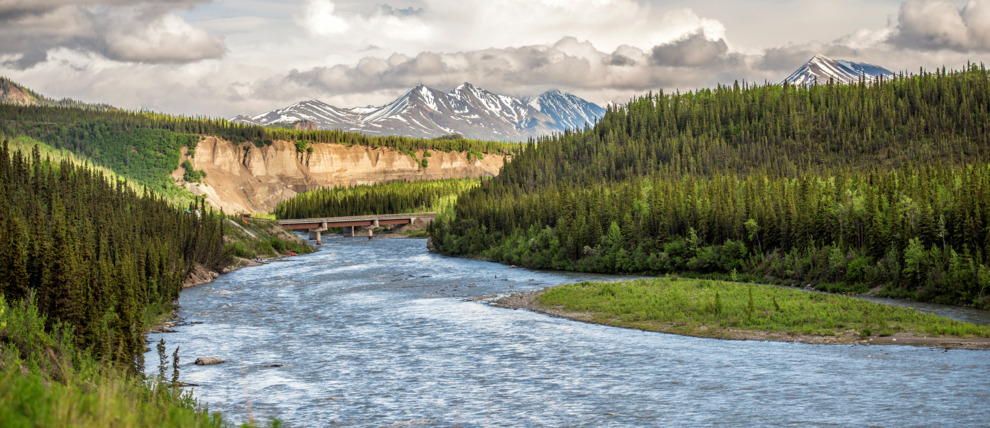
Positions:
{"x": 424, "y": 112}
{"x": 822, "y": 69}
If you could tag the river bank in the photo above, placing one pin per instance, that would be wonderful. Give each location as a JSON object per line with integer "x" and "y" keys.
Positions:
{"x": 534, "y": 301}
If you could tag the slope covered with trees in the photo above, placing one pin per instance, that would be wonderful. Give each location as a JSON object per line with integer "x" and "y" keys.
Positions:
{"x": 96, "y": 255}
{"x": 385, "y": 198}
{"x": 849, "y": 187}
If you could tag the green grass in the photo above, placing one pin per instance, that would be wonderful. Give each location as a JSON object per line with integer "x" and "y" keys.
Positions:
{"x": 260, "y": 237}
{"x": 45, "y": 381}
{"x": 710, "y": 308}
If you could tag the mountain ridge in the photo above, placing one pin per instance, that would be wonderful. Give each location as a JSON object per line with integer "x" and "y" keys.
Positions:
{"x": 821, "y": 69}
{"x": 14, "y": 93}
{"x": 425, "y": 112}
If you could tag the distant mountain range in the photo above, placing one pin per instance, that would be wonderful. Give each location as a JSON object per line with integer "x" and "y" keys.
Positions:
{"x": 428, "y": 113}
{"x": 821, "y": 69}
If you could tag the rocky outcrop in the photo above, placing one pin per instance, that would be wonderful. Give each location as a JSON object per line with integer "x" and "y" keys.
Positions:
{"x": 208, "y": 361}
{"x": 243, "y": 178}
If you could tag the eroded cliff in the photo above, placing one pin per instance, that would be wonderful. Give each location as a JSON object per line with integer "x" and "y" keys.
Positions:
{"x": 243, "y": 178}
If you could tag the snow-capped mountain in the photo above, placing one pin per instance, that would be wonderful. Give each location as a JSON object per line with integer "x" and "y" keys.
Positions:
{"x": 425, "y": 112}
{"x": 821, "y": 69}
{"x": 567, "y": 111}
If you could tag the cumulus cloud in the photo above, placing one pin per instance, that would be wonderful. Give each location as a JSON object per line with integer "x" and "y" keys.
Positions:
{"x": 568, "y": 64}
{"x": 939, "y": 24}
{"x": 694, "y": 50}
{"x": 124, "y": 30}
{"x": 131, "y": 35}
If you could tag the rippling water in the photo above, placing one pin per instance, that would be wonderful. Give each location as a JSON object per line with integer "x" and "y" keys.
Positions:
{"x": 379, "y": 333}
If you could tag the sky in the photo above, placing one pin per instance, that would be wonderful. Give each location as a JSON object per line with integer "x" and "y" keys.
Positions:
{"x": 220, "y": 58}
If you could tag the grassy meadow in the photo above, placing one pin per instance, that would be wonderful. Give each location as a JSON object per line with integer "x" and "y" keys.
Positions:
{"x": 713, "y": 308}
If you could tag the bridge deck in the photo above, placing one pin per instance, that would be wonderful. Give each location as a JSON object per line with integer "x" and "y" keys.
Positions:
{"x": 361, "y": 220}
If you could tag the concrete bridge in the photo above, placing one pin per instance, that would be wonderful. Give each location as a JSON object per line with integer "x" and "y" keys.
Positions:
{"x": 363, "y": 223}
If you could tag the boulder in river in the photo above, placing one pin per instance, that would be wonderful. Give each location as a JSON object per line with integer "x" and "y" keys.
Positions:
{"x": 208, "y": 361}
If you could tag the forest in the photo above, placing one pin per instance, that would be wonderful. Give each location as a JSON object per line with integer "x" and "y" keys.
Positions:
{"x": 881, "y": 185}
{"x": 94, "y": 256}
{"x": 384, "y": 198}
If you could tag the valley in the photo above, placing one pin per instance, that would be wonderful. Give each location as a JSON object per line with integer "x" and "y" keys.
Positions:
{"x": 873, "y": 188}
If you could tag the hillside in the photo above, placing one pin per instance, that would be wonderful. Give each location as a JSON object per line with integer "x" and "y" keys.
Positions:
{"x": 13, "y": 93}
{"x": 848, "y": 187}
{"x": 254, "y": 168}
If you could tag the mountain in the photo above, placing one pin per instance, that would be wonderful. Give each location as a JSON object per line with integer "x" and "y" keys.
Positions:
{"x": 428, "y": 113}
{"x": 821, "y": 69}
{"x": 567, "y": 111}
{"x": 13, "y": 93}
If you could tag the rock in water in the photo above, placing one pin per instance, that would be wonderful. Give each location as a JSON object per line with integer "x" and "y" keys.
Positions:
{"x": 207, "y": 361}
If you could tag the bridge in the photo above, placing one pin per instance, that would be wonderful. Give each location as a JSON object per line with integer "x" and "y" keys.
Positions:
{"x": 366, "y": 222}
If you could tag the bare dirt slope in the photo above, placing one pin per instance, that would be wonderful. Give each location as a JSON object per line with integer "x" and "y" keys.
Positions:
{"x": 243, "y": 178}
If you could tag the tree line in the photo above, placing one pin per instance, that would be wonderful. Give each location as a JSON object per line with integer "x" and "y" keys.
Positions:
{"x": 95, "y": 254}
{"x": 882, "y": 183}
{"x": 384, "y": 198}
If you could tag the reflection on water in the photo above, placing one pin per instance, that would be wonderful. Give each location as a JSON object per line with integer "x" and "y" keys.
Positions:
{"x": 379, "y": 332}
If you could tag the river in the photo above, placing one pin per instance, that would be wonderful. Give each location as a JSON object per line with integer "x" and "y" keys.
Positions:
{"x": 380, "y": 332}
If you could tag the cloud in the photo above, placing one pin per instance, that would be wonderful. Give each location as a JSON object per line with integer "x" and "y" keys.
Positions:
{"x": 694, "y": 50}
{"x": 320, "y": 18}
{"x": 939, "y": 24}
{"x": 123, "y": 30}
{"x": 132, "y": 35}
{"x": 568, "y": 64}
{"x": 385, "y": 9}
{"x": 27, "y": 60}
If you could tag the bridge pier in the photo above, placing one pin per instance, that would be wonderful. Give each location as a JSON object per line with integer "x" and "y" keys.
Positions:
{"x": 354, "y": 231}
{"x": 314, "y": 234}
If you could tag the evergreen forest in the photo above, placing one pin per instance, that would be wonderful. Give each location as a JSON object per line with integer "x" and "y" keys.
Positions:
{"x": 385, "y": 198}
{"x": 95, "y": 257}
{"x": 882, "y": 185}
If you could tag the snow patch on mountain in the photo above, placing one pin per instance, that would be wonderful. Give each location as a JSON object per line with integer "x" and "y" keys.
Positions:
{"x": 821, "y": 70}
{"x": 467, "y": 110}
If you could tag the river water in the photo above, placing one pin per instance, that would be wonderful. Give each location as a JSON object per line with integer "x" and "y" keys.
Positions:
{"x": 380, "y": 333}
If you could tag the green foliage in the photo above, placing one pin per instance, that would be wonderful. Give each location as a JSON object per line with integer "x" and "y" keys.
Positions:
{"x": 882, "y": 185}
{"x": 386, "y": 198}
{"x": 260, "y": 237}
{"x": 192, "y": 175}
{"x": 477, "y": 155}
{"x": 45, "y": 380}
{"x": 707, "y": 308}
{"x": 97, "y": 253}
